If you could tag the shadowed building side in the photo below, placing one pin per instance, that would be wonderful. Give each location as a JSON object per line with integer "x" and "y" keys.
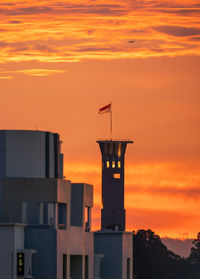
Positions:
{"x": 113, "y": 212}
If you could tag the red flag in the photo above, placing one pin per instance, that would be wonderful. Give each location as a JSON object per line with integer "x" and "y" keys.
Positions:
{"x": 105, "y": 109}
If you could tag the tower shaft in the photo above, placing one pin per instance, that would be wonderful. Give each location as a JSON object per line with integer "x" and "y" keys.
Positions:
{"x": 113, "y": 212}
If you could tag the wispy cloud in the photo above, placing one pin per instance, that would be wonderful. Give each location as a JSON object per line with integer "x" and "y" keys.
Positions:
{"x": 40, "y": 72}
{"x": 178, "y": 31}
{"x": 6, "y": 77}
{"x": 72, "y": 31}
{"x": 15, "y": 22}
{"x": 30, "y": 72}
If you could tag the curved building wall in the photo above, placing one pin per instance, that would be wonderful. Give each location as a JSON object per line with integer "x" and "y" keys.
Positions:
{"x": 33, "y": 154}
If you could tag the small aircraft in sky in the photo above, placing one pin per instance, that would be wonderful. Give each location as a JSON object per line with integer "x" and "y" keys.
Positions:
{"x": 131, "y": 41}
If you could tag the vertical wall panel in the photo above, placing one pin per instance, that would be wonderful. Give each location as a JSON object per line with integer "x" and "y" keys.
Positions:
{"x": 56, "y": 154}
{"x": 47, "y": 159}
{"x": 2, "y": 154}
{"x": 51, "y": 156}
{"x": 23, "y": 153}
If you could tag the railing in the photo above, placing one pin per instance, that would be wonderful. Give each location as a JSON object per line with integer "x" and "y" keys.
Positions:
{"x": 115, "y": 140}
{"x": 87, "y": 229}
{"x": 62, "y": 226}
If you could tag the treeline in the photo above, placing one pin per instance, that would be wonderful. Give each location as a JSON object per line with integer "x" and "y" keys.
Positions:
{"x": 152, "y": 259}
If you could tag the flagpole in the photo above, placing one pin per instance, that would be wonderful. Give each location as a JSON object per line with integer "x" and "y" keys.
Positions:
{"x": 111, "y": 121}
{"x": 107, "y": 109}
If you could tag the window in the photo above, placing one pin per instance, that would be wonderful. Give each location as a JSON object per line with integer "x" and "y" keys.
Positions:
{"x": 128, "y": 268}
{"x": 33, "y": 213}
{"x": 119, "y": 164}
{"x": 111, "y": 148}
{"x": 87, "y": 218}
{"x": 113, "y": 164}
{"x": 76, "y": 267}
{"x": 117, "y": 175}
{"x": 64, "y": 266}
{"x": 107, "y": 164}
{"x": 105, "y": 148}
{"x": 51, "y": 214}
{"x": 62, "y": 209}
{"x": 119, "y": 150}
{"x": 86, "y": 267}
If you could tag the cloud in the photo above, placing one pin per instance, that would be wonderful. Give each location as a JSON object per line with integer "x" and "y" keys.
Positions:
{"x": 96, "y": 49}
{"x": 20, "y": 49}
{"x": 6, "y": 77}
{"x": 161, "y": 219}
{"x": 183, "y": 11}
{"x": 178, "y": 31}
{"x": 32, "y": 72}
{"x": 40, "y": 72}
{"x": 157, "y": 49}
{"x": 98, "y": 9}
{"x": 195, "y": 39}
{"x": 43, "y": 47}
{"x": 73, "y": 31}
{"x": 7, "y": 4}
{"x": 186, "y": 193}
{"x": 15, "y": 21}
{"x": 27, "y": 11}
{"x": 139, "y": 31}
{"x": 4, "y": 44}
{"x": 170, "y": 7}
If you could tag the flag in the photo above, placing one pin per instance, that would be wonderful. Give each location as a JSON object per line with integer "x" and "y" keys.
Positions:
{"x": 105, "y": 109}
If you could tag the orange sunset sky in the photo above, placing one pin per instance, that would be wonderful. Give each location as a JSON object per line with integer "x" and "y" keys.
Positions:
{"x": 60, "y": 61}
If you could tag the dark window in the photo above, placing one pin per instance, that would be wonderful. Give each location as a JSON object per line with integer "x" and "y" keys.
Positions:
{"x": 87, "y": 218}
{"x": 64, "y": 266}
{"x": 86, "y": 267}
{"x": 128, "y": 268}
{"x": 111, "y": 148}
{"x": 33, "y": 213}
{"x": 62, "y": 213}
{"x": 76, "y": 266}
{"x": 45, "y": 213}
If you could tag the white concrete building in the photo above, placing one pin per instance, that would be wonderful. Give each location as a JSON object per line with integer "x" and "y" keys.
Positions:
{"x": 55, "y": 215}
{"x": 45, "y": 220}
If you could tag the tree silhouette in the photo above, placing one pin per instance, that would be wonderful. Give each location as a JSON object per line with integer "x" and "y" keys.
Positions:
{"x": 194, "y": 258}
{"x": 152, "y": 259}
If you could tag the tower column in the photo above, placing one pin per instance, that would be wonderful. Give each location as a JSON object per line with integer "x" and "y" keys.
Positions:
{"x": 113, "y": 212}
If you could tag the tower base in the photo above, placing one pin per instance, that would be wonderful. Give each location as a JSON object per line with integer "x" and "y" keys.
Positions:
{"x": 113, "y": 220}
{"x": 117, "y": 251}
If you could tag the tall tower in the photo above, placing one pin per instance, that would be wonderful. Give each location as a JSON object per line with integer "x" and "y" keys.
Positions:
{"x": 113, "y": 212}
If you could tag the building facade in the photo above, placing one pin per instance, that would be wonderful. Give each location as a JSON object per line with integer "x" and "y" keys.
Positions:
{"x": 45, "y": 220}
{"x": 52, "y": 214}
